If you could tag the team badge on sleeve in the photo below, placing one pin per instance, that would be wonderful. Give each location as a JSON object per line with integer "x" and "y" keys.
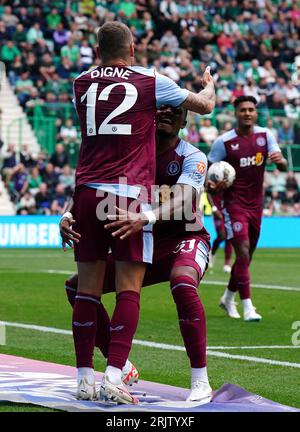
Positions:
{"x": 173, "y": 168}
{"x": 261, "y": 141}
{"x": 201, "y": 167}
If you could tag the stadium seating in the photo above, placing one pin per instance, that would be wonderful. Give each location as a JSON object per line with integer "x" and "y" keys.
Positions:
{"x": 45, "y": 45}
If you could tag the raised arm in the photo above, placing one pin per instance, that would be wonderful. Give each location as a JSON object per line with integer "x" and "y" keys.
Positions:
{"x": 204, "y": 101}
{"x": 167, "y": 92}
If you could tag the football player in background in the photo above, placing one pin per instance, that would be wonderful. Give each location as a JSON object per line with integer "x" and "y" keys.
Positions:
{"x": 247, "y": 149}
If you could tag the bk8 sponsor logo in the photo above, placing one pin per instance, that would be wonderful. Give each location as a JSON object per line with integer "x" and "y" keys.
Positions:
{"x": 256, "y": 160}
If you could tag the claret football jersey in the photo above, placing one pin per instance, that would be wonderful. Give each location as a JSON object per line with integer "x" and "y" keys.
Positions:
{"x": 186, "y": 165}
{"x": 248, "y": 155}
{"x": 116, "y": 106}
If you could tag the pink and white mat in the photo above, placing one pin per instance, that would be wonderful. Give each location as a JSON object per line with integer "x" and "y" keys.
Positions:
{"x": 52, "y": 385}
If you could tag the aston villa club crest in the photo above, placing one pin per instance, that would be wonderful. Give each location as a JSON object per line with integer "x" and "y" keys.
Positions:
{"x": 173, "y": 168}
{"x": 237, "y": 226}
{"x": 261, "y": 141}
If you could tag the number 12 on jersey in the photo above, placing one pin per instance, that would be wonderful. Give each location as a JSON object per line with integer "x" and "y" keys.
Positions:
{"x": 105, "y": 127}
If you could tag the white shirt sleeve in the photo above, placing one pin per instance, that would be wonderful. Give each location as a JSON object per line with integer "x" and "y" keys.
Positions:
{"x": 167, "y": 92}
{"x": 218, "y": 151}
{"x": 271, "y": 142}
{"x": 194, "y": 170}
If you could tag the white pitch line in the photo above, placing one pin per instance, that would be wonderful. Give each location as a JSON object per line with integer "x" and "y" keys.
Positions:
{"x": 253, "y": 359}
{"x": 36, "y": 327}
{"x": 249, "y": 347}
{"x": 30, "y": 256}
{"x": 163, "y": 346}
{"x": 32, "y": 270}
{"x": 64, "y": 272}
{"x": 263, "y": 286}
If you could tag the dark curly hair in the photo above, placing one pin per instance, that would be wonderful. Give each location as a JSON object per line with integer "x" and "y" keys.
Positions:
{"x": 241, "y": 99}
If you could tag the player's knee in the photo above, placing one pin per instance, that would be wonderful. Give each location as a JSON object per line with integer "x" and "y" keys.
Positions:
{"x": 184, "y": 271}
{"x": 243, "y": 255}
{"x": 186, "y": 298}
{"x": 71, "y": 289}
{"x": 242, "y": 251}
{"x": 72, "y": 282}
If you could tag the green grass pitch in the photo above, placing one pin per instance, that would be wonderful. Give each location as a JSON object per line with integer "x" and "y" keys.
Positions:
{"x": 31, "y": 295}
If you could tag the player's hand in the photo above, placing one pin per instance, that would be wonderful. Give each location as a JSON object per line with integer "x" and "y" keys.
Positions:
{"x": 215, "y": 188}
{"x": 69, "y": 236}
{"x": 275, "y": 157}
{"x": 207, "y": 79}
{"x": 126, "y": 223}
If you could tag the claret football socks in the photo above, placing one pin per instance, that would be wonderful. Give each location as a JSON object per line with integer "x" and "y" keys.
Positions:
{"x": 191, "y": 316}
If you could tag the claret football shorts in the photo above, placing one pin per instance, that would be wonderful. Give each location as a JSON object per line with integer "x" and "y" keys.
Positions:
{"x": 189, "y": 250}
{"x": 96, "y": 241}
{"x": 242, "y": 224}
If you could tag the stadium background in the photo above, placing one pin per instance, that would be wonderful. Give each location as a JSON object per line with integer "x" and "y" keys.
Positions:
{"x": 253, "y": 48}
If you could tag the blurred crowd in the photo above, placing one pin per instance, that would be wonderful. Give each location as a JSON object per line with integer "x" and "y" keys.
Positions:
{"x": 282, "y": 194}
{"x": 37, "y": 184}
{"x": 253, "y": 48}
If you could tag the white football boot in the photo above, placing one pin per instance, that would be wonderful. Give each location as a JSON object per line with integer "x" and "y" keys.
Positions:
{"x": 86, "y": 389}
{"x": 229, "y": 307}
{"x": 251, "y": 315}
{"x": 117, "y": 393}
{"x": 201, "y": 392}
{"x": 130, "y": 374}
